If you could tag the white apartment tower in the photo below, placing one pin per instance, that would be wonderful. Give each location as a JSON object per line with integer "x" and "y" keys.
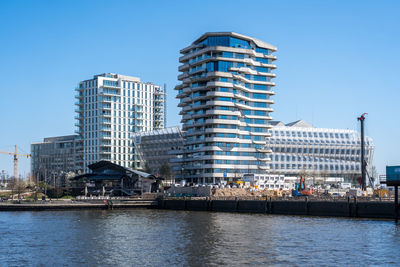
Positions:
{"x": 225, "y": 96}
{"x": 110, "y": 107}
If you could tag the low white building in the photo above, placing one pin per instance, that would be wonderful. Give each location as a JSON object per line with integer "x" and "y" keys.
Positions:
{"x": 298, "y": 148}
{"x": 267, "y": 181}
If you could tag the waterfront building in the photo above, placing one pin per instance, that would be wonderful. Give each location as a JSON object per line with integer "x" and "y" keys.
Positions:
{"x": 110, "y": 108}
{"x": 56, "y": 156}
{"x": 225, "y": 96}
{"x": 267, "y": 181}
{"x": 326, "y": 155}
{"x": 298, "y": 148}
{"x": 157, "y": 148}
{"x": 108, "y": 179}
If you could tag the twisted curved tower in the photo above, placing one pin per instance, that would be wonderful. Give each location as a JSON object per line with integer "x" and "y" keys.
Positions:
{"x": 225, "y": 96}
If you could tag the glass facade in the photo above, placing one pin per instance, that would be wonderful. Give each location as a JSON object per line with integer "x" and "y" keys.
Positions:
{"x": 111, "y": 107}
{"x": 225, "y": 96}
{"x": 298, "y": 148}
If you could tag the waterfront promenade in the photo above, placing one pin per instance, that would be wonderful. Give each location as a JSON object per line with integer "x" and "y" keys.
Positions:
{"x": 75, "y": 205}
{"x": 350, "y": 207}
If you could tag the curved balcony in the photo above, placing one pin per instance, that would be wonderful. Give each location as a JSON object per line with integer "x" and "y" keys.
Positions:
{"x": 220, "y": 103}
{"x": 183, "y": 76}
{"x": 223, "y": 94}
{"x": 223, "y": 112}
{"x": 222, "y": 121}
{"x": 218, "y": 84}
{"x": 184, "y": 67}
{"x": 263, "y": 167}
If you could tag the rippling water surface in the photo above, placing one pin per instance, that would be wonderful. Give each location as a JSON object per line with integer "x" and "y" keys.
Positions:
{"x": 179, "y": 238}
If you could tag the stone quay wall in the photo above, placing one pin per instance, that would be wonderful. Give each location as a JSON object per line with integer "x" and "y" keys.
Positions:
{"x": 349, "y": 208}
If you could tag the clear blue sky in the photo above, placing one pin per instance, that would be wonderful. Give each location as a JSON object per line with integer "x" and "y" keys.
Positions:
{"x": 336, "y": 59}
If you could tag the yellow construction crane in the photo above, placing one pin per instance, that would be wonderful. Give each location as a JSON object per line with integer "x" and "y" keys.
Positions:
{"x": 15, "y": 154}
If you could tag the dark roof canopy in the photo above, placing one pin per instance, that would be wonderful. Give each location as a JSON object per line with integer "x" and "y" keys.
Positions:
{"x": 106, "y": 170}
{"x": 104, "y": 164}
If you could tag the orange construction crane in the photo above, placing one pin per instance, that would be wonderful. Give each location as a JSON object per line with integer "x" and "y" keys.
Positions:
{"x": 15, "y": 154}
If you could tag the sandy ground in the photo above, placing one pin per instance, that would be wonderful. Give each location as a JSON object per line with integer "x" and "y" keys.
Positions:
{"x": 242, "y": 192}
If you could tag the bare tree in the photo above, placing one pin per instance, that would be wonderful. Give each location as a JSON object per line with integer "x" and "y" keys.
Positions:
{"x": 19, "y": 188}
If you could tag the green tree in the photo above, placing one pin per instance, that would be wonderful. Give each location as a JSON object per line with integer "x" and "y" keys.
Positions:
{"x": 147, "y": 168}
{"x": 165, "y": 170}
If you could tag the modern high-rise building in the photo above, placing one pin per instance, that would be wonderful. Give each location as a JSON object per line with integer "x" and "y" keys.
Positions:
{"x": 225, "y": 96}
{"x": 110, "y": 108}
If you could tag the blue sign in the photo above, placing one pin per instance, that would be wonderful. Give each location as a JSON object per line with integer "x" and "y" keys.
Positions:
{"x": 225, "y": 174}
{"x": 392, "y": 173}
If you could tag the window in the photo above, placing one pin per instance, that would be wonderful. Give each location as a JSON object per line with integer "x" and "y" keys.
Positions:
{"x": 260, "y": 105}
{"x": 262, "y": 50}
{"x": 262, "y": 69}
{"x": 260, "y": 96}
{"x": 260, "y": 87}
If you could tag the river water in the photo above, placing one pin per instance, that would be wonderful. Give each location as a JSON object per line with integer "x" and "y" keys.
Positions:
{"x": 182, "y": 238}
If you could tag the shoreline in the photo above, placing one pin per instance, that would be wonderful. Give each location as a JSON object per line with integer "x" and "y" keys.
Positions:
{"x": 350, "y": 209}
{"x": 78, "y": 205}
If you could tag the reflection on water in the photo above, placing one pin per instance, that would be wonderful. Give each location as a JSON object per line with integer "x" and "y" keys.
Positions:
{"x": 171, "y": 238}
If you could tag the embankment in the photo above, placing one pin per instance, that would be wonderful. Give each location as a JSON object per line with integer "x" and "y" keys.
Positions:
{"x": 110, "y": 204}
{"x": 349, "y": 208}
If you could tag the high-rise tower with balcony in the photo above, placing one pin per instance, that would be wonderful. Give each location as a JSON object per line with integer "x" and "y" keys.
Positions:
{"x": 225, "y": 96}
{"x": 110, "y": 107}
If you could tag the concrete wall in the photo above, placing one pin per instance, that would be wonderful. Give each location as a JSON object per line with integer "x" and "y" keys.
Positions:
{"x": 375, "y": 210}
{"x": 193, "y": 191}
{"x": 352, "y": 208}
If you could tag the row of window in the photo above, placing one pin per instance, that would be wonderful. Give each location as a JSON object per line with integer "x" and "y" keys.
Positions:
{"x": 230, "y": 90}
{"x": 328, "y": 151}
{"x": 230, "y": 126}
{"x": 223, "y": 117}
{"x": 225, "y": 66}
{"x": 317, "y": 167}
{"x": 231, "y": 135}
{"x": 313, "y": 141}
{"x": 222, "y": 145}
{"x": 260, "y": 87}
{"x": 247, "y": 103}
{"x": 229, "y": 41}
{"x": 236, "y": 171}
{"x": 312, "y": 134}
{"x": 235, "y": 162}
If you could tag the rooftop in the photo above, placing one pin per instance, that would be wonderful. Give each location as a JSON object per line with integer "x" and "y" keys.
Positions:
{"x": 237, "y": 35}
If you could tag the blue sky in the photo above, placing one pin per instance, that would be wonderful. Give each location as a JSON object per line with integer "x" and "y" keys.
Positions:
{"x": 336, "y": 60}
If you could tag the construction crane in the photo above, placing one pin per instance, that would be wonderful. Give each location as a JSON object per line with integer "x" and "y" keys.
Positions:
{"x": 15, "y": 154}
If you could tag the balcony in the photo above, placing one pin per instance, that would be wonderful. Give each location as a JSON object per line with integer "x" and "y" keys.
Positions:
{"x": 105, "y": 121}
{"x": 182, "y": 76}
{"x": 79, "y": 96}
{"x": 183, "y": 67}
{"x": 105, "y": 106}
